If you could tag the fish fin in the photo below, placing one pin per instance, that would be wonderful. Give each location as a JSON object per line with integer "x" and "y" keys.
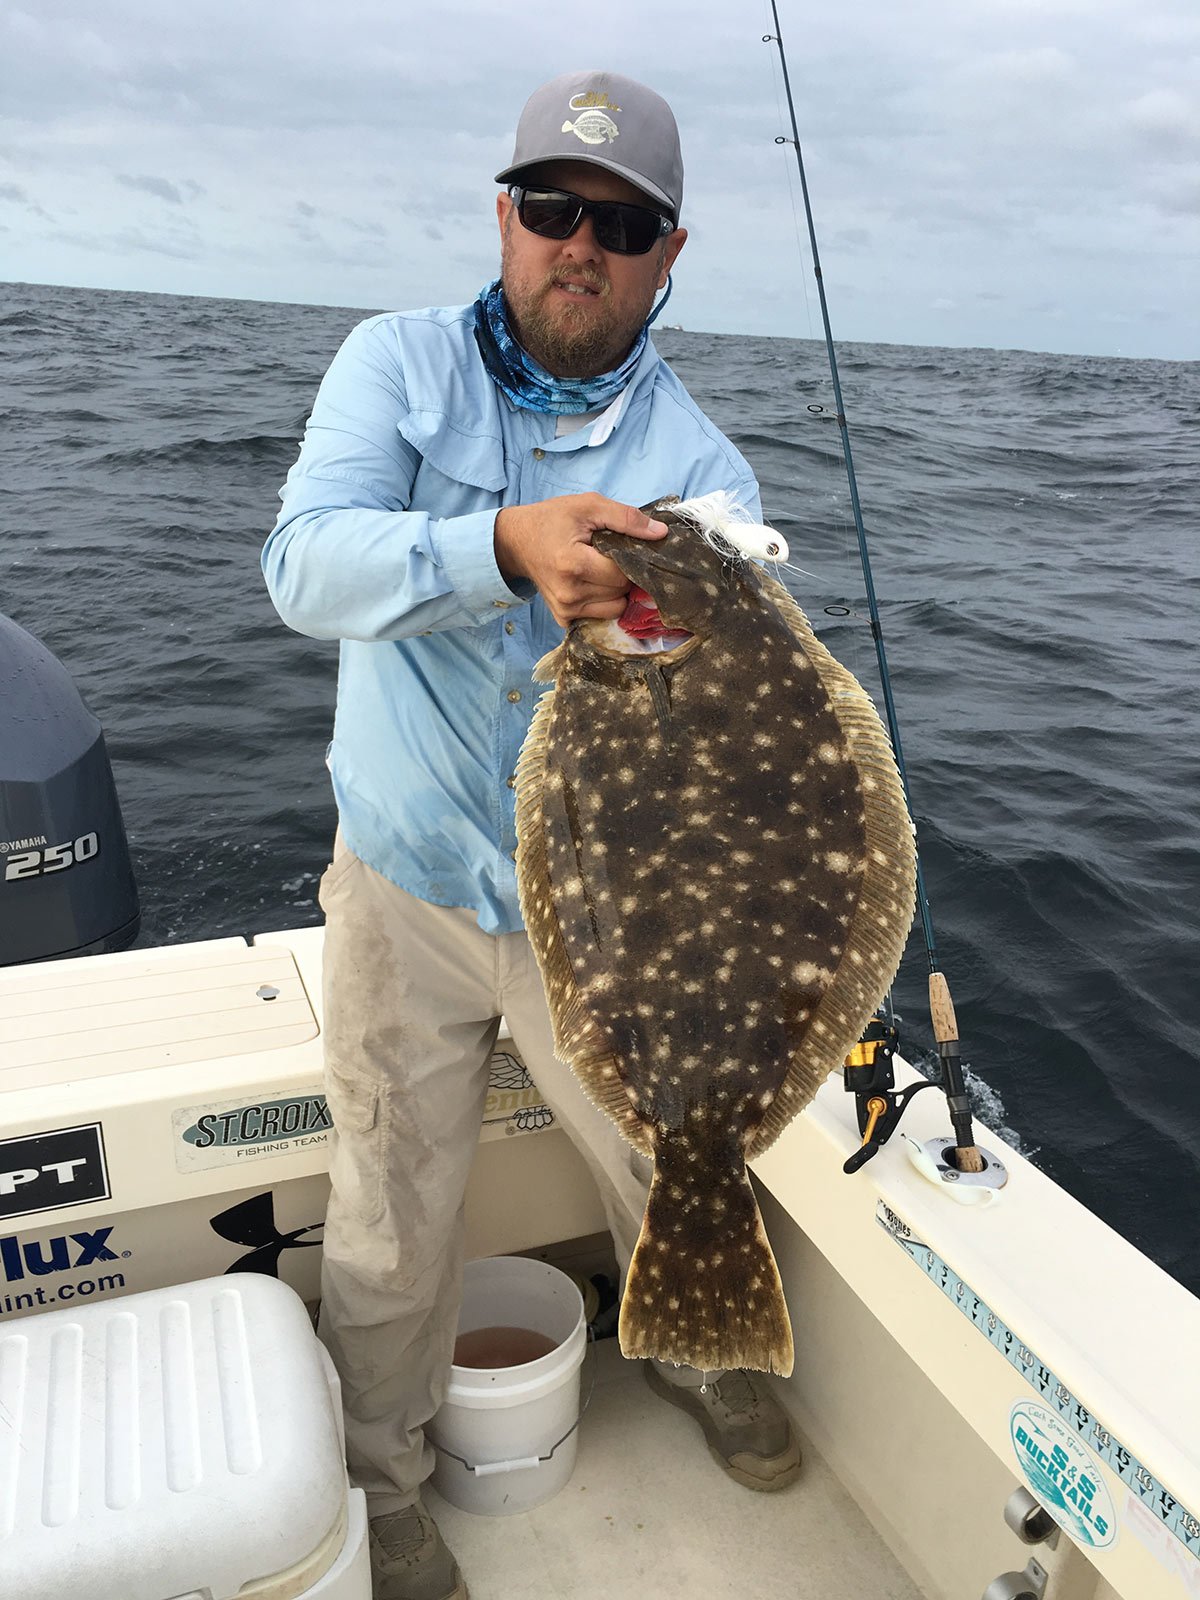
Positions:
{"x": 886, "y": 901}
{"x": 547, "y": 669}
{"x": 703, "y": 1288}
{"x": 655, "y": 680}
{"x": 577, "y": 1039}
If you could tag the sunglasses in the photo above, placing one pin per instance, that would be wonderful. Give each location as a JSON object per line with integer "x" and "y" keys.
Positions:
{"x": 556, "y": 213}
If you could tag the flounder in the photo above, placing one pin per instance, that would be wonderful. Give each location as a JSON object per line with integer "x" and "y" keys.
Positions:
{"x": 716, "y": 869}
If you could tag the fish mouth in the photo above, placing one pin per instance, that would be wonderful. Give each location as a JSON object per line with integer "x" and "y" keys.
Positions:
{"x": 610, "y": 639}
{"x": 638, "y": 631}
{"x": 642, "y": 625}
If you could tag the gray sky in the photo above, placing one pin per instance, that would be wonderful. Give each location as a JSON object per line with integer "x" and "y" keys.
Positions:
{"x": 984, "y": 172}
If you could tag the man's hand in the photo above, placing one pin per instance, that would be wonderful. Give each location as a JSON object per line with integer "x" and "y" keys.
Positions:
{"x": 550, "y": 544}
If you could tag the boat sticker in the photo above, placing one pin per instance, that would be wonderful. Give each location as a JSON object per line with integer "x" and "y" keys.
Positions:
{"x": 1149, "y": 1531}
{"x": 229, "y": 1131}
{"x": 47, "y": 1171}
{"x": 513, "y": 1098}
{"x": 238, "y": 1229}
{"x": 1082, "y": 1423}
{"x": 32, "y": 1268}
{"x": 1062, "y": 1474}
{"x": 252, "y": 1223}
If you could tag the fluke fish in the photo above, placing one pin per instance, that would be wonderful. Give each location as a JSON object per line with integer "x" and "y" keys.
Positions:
{"x": 716, "y": 869}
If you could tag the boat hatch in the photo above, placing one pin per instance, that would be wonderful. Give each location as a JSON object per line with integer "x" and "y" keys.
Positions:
{"x": 73, "y": 1019}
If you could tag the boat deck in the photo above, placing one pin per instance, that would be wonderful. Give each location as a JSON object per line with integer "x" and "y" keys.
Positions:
{"x": 647, "y": 1512}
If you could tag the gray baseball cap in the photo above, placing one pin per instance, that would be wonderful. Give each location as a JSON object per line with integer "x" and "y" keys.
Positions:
{"x": 608, "y": 120}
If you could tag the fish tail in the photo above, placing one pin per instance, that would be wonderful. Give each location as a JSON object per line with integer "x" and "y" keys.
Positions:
{"x": 703, "y": 1288}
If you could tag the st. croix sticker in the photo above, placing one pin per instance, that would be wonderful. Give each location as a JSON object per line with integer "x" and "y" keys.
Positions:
{"x": 229, "y": 1131}
{"x": 1063, "y": 1474}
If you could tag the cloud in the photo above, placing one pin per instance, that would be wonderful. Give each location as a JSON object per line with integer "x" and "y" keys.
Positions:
{"x": 958, "y": 151}
{"x": 1179, "y": 196}
{"x": 179, "y": 244}
{"x": 14, "y": 193}
{"x": 339, "y": 241}
{"x": 1166, "y": 119}
{"x": 159, "y": 187}
{"x": 446, "y": 204}
{"x": 1041, "y": 65}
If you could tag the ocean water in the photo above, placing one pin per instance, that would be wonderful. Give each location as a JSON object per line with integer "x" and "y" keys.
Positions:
{"x": 1033, "y": 526}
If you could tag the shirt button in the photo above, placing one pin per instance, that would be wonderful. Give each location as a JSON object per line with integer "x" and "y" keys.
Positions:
{"x": 500, "y": 605}
{"x": 539, "y": 454}
{"x": 513, "y": 696}
{"x": 510, "y": 627}
{"x": 511, "y": 780}
{"x": 514, "y": 854}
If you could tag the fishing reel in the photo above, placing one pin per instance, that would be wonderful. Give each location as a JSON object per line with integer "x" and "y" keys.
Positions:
{"x": 871, "y": 1079}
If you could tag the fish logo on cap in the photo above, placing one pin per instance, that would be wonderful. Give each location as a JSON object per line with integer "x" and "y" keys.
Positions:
{"x": 593, "y": 125}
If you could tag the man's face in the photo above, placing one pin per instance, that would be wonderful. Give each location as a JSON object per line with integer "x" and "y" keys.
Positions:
{"x": 576, "y": 308}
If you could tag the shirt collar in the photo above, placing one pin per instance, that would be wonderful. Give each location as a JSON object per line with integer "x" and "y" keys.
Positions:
{"x": 605, "y": 424}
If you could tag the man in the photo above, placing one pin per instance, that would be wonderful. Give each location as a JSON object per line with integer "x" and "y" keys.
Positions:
{"x": 438, "y": 522}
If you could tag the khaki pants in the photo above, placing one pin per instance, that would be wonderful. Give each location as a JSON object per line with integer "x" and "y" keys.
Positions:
{"x": 413, "y": 997}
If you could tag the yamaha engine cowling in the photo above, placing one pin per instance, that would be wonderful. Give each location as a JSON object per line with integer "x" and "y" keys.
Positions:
{"x": 66, "y": 883}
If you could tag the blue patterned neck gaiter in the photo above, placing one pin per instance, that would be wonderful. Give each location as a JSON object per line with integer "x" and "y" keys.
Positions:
{"x": 528, "y": 384}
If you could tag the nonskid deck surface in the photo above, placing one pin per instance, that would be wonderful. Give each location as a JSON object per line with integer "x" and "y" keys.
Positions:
{"x": 648, "y": 1513}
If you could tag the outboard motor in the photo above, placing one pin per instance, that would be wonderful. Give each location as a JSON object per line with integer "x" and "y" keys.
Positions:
{"x": 66, "y": 882}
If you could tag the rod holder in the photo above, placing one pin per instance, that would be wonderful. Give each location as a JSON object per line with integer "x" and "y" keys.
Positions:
{"x": 1027, "y": 1585}
{"x": 1029, "y": 1519}
{"x": 941, "y": 1152}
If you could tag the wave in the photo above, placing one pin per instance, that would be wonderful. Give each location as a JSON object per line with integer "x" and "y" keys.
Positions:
{"x": 267, "y": 448}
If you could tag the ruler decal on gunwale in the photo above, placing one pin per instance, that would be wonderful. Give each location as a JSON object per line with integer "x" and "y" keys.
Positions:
{"x": 1155, "y": 1496}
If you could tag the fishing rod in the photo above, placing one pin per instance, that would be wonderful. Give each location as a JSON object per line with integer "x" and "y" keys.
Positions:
{"x": 885, "y": 1112}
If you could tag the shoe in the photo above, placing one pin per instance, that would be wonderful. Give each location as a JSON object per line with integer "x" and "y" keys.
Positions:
{"x": 748, "y": 1431}
{"x": 410, "y": 1561}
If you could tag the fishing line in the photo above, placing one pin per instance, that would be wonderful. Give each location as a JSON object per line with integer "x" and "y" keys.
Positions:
{"x": 968, "y": 1158}
{"x": 819, "y": 413}
{"x": 791, "y": 184}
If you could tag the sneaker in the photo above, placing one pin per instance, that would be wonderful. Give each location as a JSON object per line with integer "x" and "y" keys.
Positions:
{"x": 409, "y": 1560}
{"x": 748, "y": 1431}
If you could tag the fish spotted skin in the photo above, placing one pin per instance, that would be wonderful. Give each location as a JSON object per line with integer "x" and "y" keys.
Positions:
{"x": 717, "y": 872}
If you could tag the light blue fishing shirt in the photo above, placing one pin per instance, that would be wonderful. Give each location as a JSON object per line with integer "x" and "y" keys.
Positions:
{"x": 385, "y": 541}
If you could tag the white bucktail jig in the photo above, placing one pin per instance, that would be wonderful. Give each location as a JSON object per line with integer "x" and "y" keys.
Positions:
{"x": 720, "y": 513}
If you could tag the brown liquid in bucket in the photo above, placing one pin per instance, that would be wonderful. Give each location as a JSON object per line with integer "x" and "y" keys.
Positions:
{"x": 500, "y": 1347}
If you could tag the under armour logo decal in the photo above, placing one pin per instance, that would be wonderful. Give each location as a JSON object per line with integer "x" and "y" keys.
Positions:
{"x": 252, "y": 1222}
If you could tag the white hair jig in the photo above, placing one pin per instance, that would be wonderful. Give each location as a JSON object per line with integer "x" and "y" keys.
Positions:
{"x": 719, "y": 513}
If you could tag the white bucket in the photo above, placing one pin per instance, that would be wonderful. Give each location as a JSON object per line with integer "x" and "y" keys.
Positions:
{"x": 502, "y": 1421}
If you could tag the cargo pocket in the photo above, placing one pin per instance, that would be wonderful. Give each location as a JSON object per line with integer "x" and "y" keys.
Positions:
{"x": 356, "y": 1171}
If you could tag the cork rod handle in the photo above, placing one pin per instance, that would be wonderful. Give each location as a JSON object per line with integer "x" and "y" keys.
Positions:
{"x": 941, "y": 1009}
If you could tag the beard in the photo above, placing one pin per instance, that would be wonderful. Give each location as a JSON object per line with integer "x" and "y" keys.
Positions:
{"x": 570, "y": 342}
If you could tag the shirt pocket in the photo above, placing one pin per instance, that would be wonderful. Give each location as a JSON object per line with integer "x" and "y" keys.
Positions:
{"x": 601, "y": 471}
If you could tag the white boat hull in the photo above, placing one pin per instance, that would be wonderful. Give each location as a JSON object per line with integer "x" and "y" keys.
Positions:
{"x": 941, "y": 1348}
